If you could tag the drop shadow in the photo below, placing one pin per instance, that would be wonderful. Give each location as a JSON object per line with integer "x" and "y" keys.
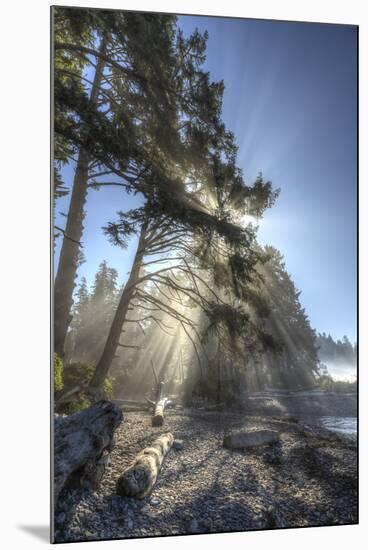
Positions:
{"x": 40, "y": 532}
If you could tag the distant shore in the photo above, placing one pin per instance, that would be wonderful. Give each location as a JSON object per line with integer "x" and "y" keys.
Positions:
{"x": 301, "y": 404}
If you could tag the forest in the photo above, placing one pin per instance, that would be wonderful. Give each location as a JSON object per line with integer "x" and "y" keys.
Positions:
{"x": 340, "y": 351}
{"x": 207, "y": 331}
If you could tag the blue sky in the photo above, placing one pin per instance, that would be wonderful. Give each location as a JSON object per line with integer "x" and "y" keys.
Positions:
{"x": 290, "y": 99}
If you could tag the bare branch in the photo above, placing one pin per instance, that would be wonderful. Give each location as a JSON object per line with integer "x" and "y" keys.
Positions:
{"x": 67, "y": 236}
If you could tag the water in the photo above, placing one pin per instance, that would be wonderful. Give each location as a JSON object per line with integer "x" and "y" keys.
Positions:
{"x": 340, "y": 424}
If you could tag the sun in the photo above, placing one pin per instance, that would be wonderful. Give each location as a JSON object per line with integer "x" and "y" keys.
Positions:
{"x": 247, "y": 219}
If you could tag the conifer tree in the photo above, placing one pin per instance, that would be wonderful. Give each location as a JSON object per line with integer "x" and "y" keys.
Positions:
{"x": 92, "y": 314}
{"x": 144, "y": 121}
{"x": 297, "y": 363}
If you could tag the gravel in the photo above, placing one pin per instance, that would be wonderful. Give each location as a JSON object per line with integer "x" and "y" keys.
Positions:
{"x": 307, "y": 478}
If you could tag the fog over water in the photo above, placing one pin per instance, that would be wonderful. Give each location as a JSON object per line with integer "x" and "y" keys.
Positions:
{"x": 342, "y": 371}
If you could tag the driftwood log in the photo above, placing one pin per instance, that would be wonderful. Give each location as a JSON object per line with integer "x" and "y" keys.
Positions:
{"x": 140, "y": 477}
{"x": 158, "y": 413}
{"x": 81, "y": 445}
{"x": 159, "y": 405}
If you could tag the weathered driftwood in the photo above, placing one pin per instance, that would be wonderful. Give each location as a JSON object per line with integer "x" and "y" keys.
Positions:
{"x": 159, "y": 404}
{"x": 140, "y": 477}
{"x": 81, "y": 443}
{"x": 243, "y": 440}
{"x": 158, "y": 414}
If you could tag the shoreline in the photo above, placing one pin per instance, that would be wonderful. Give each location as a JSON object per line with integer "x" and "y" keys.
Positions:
{"x": 307, "y": 479}
{"x": 302, "y": 404}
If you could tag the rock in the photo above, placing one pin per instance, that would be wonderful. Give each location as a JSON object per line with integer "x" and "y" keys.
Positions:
{"x": 178, "y": 445}
{"x": 155, "y": 501}
{"x": 256, "y": 438}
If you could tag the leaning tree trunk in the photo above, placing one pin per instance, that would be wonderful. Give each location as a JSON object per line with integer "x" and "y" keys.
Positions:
{"x": 112, "y": 342}
{"x": 81, "y": 442}
{"x": 69, "y": 254}
{"x": 139, "y": 478}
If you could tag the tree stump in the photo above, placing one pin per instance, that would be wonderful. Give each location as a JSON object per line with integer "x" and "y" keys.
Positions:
{"x": 81, "y": 443}
{"x": 140, "y": 477}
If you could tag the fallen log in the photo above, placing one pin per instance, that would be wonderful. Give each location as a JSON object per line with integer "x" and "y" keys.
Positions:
{"x": 140, "y": 477}
{"x": 81, "y": 443}
{"x": 158, "y": 414}
{"x": 159, "y": 405}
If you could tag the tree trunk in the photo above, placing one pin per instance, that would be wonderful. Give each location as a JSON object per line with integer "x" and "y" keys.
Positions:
{"x": 112, "y": 342}
{"x": 69, "y": 254}
{"x": 140, "y": 477}
{"x": 81, "y": 442}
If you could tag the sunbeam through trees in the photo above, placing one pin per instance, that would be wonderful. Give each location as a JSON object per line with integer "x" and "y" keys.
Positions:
{"x": 185, "y": 337}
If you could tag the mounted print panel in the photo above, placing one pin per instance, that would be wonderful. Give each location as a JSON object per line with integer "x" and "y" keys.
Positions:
{"x": 205, "y": 268}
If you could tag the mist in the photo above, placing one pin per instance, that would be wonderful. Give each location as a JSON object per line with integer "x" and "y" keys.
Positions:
{"x": 342, "y": 371}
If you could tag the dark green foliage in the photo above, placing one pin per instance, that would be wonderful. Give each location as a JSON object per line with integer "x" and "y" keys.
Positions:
{"x": 150, "y": 108}
{"x": 261, "y": 196}
{"x": 74, "y": 374}
{"x": 68, "y": 26}
{"x": 60, "y": 189}
{"x": 234, "y": 319}
{"x": 161, "y": 105}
